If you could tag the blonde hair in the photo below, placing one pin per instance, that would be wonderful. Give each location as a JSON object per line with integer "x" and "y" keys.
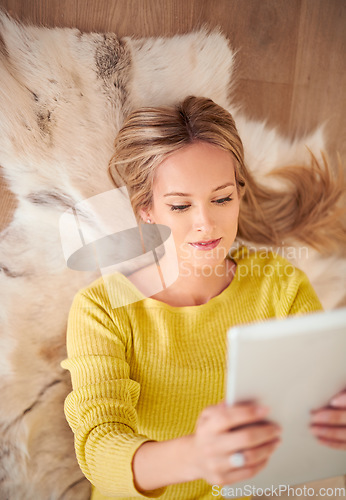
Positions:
{"x": 306, "y": 209}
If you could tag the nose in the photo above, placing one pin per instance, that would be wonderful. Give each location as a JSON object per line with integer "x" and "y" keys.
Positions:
{"x": 203, "y": 221}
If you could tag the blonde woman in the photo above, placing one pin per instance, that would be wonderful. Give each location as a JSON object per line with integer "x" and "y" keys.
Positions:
{"x": 148, "y": 377}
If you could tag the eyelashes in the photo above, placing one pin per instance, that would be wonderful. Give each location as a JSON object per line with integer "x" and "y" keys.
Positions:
{"x": 178, "y": 208}
{"x": 183, "y": 208}
{"x": 223, "y": 201}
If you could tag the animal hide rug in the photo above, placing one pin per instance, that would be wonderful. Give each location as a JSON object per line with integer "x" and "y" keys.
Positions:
{"x": 63, "y": 96}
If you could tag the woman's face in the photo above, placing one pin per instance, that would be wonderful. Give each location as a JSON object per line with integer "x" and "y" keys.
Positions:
{"x": 195, "y": 195}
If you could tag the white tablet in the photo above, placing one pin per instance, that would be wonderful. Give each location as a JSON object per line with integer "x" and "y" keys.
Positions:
{"x": 293, "y": 365}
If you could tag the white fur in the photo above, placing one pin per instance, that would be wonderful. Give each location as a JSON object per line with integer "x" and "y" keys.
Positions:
{"x": 265, "y": 148}
{"x": 193, "y": 64}
{"x": 67, "y": 157}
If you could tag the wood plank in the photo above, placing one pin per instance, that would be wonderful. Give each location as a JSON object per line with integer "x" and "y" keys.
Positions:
{"x": 260, "y": 99}
{"x": 320, "y": 77}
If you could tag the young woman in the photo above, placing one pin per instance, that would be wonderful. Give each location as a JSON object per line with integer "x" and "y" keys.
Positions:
{"x": 148, "y": 376}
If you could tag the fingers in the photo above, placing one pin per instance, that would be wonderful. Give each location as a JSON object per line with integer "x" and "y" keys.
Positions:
{"x": 257, "y": 455}
{"x": 222, "y": 431}
{"x": 236, "y": 475}
{"x": 329, "y": 426}
{"x": 247, "y": 437}
{"x": 254, "y": 456}
{"x": 329, "y": 416}
{"x": 255, "y": 461}
{"x": 337, "y": 445}
{"x": 327, "y": 433}
{"x": 221, "y": 418}
{"x": 338, "y": 401}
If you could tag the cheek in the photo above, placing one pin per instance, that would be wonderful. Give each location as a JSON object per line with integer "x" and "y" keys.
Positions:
{"x": 166, "y": 217}
{"x": 230, "y": 222}
{"x": 235, "y": 209}
{"x": 231, "y": 215}
{"x": 178, "y": 228}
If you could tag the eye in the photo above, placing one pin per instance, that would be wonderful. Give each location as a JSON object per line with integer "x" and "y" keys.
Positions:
{"x": 223, "y": 201}
{"x": 179, "y": 208}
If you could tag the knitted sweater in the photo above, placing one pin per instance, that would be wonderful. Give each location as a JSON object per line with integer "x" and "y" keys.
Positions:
{"x": 145, "y": 371}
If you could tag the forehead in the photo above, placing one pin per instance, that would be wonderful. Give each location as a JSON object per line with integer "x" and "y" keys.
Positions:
{"x": 198, "y": 165}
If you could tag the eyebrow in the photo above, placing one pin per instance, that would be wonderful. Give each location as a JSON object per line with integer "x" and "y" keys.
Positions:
{"x": 176, "y": 193}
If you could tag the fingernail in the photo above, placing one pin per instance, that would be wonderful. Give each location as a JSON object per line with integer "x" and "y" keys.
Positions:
{"x": 339, "y": 400}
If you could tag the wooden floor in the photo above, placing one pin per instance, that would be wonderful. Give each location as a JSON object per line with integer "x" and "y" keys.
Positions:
{"x": 291, "y": 54}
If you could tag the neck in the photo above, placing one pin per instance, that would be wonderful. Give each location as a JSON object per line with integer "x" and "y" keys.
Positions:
{"x": 196, "y": 286}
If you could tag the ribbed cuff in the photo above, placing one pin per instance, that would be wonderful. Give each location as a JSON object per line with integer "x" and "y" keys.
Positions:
{"x": 109, "y": 458}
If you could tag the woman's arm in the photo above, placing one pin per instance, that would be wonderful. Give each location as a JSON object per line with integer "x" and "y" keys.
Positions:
{"x": 157, "y": 464}
{"x": 206, "y": 453}
{"x": 101, "y": 409}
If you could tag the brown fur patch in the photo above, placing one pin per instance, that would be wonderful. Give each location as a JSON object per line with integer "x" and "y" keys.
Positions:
{"x": 43, "y": 120}
{"x": 113, "y": 63}
{"x": 110, "y": 56}
{"x": 51, "y": 198}
{"x": 11, "y": 274}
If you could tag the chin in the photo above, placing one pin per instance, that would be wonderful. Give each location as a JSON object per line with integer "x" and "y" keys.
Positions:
{"x": 204, "y": 267}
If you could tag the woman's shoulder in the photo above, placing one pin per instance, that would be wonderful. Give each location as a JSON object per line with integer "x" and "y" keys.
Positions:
{"x": 265, "y": 262}
{"x": 243, "y": 253}
{"x": 111, "y": 290}
{"x": 275, "y": 278}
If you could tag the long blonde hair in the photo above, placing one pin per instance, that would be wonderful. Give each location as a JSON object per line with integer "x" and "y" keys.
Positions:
{"x": 307, "y": 209}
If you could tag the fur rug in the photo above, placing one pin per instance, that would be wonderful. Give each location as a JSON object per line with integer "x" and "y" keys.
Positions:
{"x": 63, "y": 96}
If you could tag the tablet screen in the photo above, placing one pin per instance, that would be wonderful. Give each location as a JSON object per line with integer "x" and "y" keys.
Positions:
{"x": 292, "y": 365}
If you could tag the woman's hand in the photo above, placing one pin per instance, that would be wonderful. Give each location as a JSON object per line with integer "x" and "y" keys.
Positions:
{"x": 329, "y": 424}
{"x": 222, "y": 431}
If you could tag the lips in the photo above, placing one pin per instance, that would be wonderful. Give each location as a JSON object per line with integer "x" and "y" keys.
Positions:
{"x": 206, "y": 245}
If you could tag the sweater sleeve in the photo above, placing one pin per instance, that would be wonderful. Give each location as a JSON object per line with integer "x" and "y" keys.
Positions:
{"x": 101, "y": 408}
{"x": 305, "y": 299}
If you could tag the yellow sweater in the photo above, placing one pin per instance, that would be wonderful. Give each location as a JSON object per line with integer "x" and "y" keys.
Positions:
{"x": 146, "y": 370}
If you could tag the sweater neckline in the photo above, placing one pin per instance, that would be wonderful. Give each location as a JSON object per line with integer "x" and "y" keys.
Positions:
{"x": 236, "y": 256}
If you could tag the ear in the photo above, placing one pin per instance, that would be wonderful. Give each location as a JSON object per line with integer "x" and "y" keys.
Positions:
{"x": 145, "y": 215}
